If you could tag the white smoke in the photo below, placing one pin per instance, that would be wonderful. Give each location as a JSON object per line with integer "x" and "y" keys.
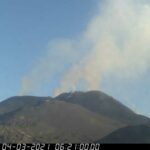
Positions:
{"x": 116, "y": 41}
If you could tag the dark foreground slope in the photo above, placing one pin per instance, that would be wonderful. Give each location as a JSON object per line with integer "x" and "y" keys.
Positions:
{"x": 130, "y": 134}
{"x": 69, "y": 117}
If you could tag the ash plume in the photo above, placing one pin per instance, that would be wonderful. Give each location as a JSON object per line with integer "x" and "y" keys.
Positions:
{"x": 115, "y": 42}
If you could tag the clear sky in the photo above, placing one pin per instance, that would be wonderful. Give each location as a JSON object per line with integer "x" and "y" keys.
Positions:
{"x": 26, "y": 29}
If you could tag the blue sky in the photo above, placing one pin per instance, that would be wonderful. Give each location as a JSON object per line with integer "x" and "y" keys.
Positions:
{"x": 26, "y": 29}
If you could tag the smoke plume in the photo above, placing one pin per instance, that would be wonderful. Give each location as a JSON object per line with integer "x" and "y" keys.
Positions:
{"x": 115, "y": 42}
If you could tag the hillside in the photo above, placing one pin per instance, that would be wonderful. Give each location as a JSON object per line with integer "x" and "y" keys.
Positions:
{"x": 54, "y": 121}
{"x": 69, "y": 117}
{"x": 105, "y": 105}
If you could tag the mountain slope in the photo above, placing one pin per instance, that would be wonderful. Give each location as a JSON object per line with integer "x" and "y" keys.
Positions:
{"x": 54, "y": 121}
{"x": 69, "y": 117}
{"x": 130, "y": 134}
{"x": 18, "y": 102}
{"x": 105, "y": 105}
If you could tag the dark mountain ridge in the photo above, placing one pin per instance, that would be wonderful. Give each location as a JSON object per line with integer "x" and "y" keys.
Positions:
{"x": 130, "y": 134}
{"x": 18, "y": 102}
{"x": 103, "y": 104}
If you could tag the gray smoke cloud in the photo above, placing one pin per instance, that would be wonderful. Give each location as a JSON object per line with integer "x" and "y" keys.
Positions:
{"x": 115, "y": 42}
